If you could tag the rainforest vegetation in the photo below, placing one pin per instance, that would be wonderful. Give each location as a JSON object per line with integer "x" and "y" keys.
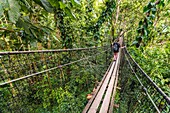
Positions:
{"x": 64, "y": 24}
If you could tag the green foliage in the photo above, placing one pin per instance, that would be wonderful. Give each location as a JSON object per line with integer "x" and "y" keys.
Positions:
{"x": 51, "y": 24}
{"x": 104, "y": 17}
{"x": 146, "y": 24}
{"x": 153, "y": 54}
{"x": 13, "y": 9}
{"x": 154, "y": 60}
{"x": 54, "y": 24}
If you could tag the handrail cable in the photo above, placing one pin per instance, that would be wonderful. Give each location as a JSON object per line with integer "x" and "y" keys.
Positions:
{"x": 157, "y": 88}
{"x": 144, "y": 88}
{"x": 60, "y": 66}
{"x": 46, "y": 51}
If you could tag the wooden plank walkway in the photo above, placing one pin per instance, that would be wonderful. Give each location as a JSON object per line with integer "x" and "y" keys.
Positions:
{"x": 103, "y": 98}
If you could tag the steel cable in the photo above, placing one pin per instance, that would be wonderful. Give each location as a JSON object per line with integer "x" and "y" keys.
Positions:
{"x": 47, "y": 70}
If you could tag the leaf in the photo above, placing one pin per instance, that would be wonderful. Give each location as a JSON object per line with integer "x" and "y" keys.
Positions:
{"x": 139, "y": 29}
{"x": 54, "y": 3}
{"x": 145, "y": 31}
{"x": 165, "y": 30}
{"x": 146, "y": 9}
{"x": 140, "y": 23}
{"x": 152, "y": 16}
{"x": 69, "y": 13}
{"x": 21, "y": 23}
{"x": 75, "y": 2}
{"x": 149, "y": 20}
{"x": 134, "y": 42}
{"x": 55, "y": 38}
{"x": 38, "y": 2}
{"x": 47, "y": 6}
{"x": 26, "y": 5}
{"x": 150, "y": 5}
{"x": 62, "y": 5}
{"x": 162, "y": 3}
{"x": 14, "y": 10}
{"x": 153, "y": 9}
{"x": 33, "y": 33}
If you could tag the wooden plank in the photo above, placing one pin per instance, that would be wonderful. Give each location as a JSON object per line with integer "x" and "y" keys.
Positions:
{"x": 107, "y": 98}
{"x": 113, "y": 95}
{"x": 96, "y": 102}
{"x": 115, "y": 85}
{"x": 96, "y": 92}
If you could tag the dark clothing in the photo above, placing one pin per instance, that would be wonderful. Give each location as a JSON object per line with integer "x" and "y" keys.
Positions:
{"x": 115, "y": 47}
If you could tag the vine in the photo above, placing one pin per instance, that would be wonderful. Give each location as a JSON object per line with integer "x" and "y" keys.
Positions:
{"x": 105, "y": 16}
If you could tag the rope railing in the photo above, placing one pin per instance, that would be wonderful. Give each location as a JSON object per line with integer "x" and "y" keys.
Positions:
{"x": 151, "y": 81}
{"x": 31, "y": 81}
{"x": 143, "y": 87}
{"x": 138, "y": 92}
{"x": 47, "y": 70}
{"x": 23, "y": 59}
{"x": 47, "y": 51}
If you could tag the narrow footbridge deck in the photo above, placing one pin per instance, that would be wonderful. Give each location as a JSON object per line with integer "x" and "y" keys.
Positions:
{"x": 32, "y": 81}
{"x": 103, "y": 97}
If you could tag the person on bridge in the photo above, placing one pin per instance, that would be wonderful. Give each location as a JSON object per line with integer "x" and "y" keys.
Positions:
{"x": 115, "y": 49}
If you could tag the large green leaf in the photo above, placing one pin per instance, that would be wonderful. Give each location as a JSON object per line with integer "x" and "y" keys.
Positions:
{"x": 47, "y": 6}
{"x": 14, "y": 10}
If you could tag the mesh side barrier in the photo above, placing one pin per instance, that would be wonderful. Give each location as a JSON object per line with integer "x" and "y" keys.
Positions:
{"x": 139, "y": 94}
{"x": 33, "y": 81}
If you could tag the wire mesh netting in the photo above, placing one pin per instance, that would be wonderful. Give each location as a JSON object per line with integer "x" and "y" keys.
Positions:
{"x": 39, "y": 81}
{"x": 139, "y": 94}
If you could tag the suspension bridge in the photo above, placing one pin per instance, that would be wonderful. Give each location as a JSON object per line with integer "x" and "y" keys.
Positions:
{"x": 25, "y": 77}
